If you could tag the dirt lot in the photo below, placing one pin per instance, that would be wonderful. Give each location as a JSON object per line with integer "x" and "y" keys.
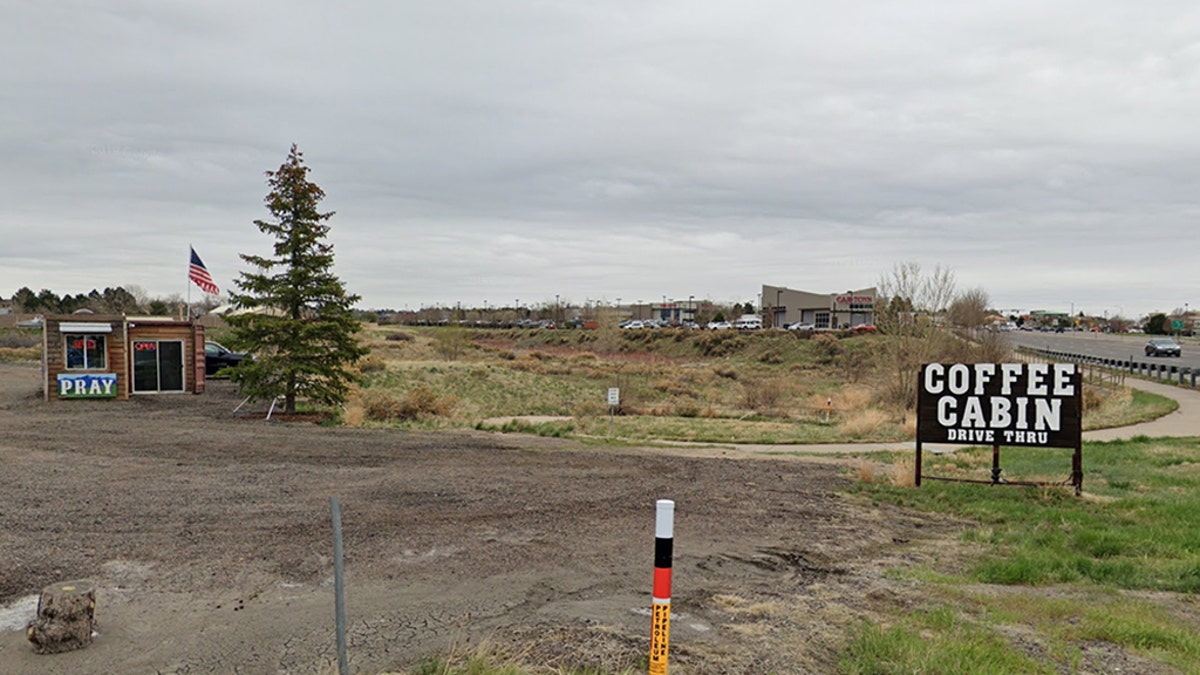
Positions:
{"x": 209, "y": 538}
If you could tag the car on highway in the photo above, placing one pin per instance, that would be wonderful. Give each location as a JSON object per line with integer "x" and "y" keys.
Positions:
{"x": 1163, "y": 347}
{"x": 218, "y": 356}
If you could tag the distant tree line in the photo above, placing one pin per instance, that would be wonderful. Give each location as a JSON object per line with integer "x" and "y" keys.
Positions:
{"x": 117, "y": 300}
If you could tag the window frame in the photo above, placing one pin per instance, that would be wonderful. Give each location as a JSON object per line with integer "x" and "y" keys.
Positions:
{"x": 101, "y": 350}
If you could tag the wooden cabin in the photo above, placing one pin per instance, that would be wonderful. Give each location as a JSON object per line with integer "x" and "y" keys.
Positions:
{"x": 96, "y": 356}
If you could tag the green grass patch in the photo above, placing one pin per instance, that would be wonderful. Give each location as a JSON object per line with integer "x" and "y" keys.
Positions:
{"x": 1134, "y": 530}
{"x": 1078, "y": 568}
{"x": 1123, "y": 407}
{"x": 934, "y": 641}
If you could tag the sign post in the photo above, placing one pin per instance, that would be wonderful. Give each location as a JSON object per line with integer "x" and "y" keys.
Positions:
{"x": 614, "y": 400}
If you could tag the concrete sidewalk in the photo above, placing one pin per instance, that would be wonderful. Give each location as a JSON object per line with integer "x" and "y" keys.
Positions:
{"x": 1185, "y": 421}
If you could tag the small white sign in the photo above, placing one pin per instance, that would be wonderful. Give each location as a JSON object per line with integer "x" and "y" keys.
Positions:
{"x": 614, "y": 396}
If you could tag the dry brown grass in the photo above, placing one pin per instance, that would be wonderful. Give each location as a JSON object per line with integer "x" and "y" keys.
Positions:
{"x": 766, "y": 396}
{"x": 418, "y": 402}
{"x": 865, "y": 470}
{"x": 372, "y": 363}
{"x": 865, "y": 422}
{"x": 355, "y": 414}
{"x": 904, "y": 472}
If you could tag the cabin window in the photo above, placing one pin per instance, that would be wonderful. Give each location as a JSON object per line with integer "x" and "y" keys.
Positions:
{"x": 86, "y": 352}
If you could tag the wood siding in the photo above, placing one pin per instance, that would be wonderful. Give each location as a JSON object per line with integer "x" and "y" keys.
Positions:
{"x": 117, "y": 355}
{"x": 55, "y": 353}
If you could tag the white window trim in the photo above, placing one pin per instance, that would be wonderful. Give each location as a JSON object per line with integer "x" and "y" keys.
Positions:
{"x": 90, "y": 328}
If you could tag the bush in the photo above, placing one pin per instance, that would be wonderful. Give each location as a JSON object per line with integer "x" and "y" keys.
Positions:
{"x": 398, "y": 337}
{"x": 764, "y": 397}
{"x": 420, "y": 401}
{"x": 450, "y": 343}
{"x": 372, "y": 364}
{"x": 828, "y": 344}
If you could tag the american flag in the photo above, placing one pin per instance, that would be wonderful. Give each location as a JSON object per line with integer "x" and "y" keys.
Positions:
{"x": 198, "y": 273}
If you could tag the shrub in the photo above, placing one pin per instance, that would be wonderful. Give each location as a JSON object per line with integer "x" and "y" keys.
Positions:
{"x": 398, "y": 337}
{"x": 864, "y": 423}
{"x": 727, "y": 372}
{"x": 420, "y": 401}
{"x": 450, "y": 343}
{"x": 378, "y": 404}
{"x": 771, "y": 356}
{"x": 372, "y": 364}
{"x": 827, "y": 344}
{"x": 765, "y": 396}
{"x": 673, "y": 386}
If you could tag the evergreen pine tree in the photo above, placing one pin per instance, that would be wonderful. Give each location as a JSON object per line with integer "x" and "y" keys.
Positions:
{"x": 299, "y": 326}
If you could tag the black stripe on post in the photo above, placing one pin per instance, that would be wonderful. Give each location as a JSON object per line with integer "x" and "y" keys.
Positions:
{"x": 662, "y": 552}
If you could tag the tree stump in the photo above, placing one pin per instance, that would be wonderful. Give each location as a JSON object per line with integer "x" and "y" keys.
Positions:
{"x": 65, "y": 618}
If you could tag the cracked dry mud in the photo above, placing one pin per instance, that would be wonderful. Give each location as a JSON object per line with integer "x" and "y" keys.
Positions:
{"x": 210, "y": 542}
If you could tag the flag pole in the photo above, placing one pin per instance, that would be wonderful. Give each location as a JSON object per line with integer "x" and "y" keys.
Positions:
{"x": 189, "y": 284}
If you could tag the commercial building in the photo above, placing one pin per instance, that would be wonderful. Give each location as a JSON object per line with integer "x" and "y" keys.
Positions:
{"x": 782, "y": 306}
{"x": 92, "y": 356}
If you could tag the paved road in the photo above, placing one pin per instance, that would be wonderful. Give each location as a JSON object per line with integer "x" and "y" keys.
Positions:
{"x": 1107, "y": 346}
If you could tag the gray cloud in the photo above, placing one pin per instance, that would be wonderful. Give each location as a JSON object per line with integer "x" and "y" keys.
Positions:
{"x": 480, "y": 150}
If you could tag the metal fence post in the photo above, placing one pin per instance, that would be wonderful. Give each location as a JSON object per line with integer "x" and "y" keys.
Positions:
{"x": 339, "y": 588}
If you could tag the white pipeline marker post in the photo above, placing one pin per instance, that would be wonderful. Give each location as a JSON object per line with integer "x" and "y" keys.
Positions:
{"x": 660, "y": 623}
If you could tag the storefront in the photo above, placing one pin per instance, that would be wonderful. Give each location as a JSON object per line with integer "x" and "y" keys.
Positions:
{"x": 91, "y": 356}
{"x": 782, "y": 306}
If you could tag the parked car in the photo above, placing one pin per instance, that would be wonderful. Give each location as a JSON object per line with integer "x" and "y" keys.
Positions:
{"x": 633, "y": 325}
{"x": 748, "y": 322}
{"x": 863, "y": 328}
{"x": 218, "y": 356}
{"x": 1163, "y": 347}
{"x": 719, "y": 325}
{"x": 799, "y": 325}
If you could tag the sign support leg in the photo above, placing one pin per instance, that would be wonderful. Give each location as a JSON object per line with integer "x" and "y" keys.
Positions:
{"x": 917, "y": 470}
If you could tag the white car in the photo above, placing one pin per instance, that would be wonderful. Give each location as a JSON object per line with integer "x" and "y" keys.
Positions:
{"x": 719, "y": 325}
{"x": 634, "y": 325}
{"x": 800, "y": 326}
{"x": 748, "y": 322}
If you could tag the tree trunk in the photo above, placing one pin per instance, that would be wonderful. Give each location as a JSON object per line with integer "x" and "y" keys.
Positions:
{"x": 65, "y": 618}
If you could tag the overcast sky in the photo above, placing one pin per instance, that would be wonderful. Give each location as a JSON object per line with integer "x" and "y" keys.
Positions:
{"x": 1049, "y": 153}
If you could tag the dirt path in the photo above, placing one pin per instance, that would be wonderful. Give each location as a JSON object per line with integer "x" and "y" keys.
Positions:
{"x": 209, "y": 539}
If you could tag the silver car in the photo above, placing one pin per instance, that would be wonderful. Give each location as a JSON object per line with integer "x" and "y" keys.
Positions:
{"x": 1163, "y": 347}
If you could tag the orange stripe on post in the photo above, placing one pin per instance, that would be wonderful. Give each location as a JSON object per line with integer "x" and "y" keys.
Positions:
{"x": 662, "y": 584}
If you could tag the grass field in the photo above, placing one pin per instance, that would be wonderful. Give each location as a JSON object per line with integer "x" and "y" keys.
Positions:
{"x": 768, "y": 387}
